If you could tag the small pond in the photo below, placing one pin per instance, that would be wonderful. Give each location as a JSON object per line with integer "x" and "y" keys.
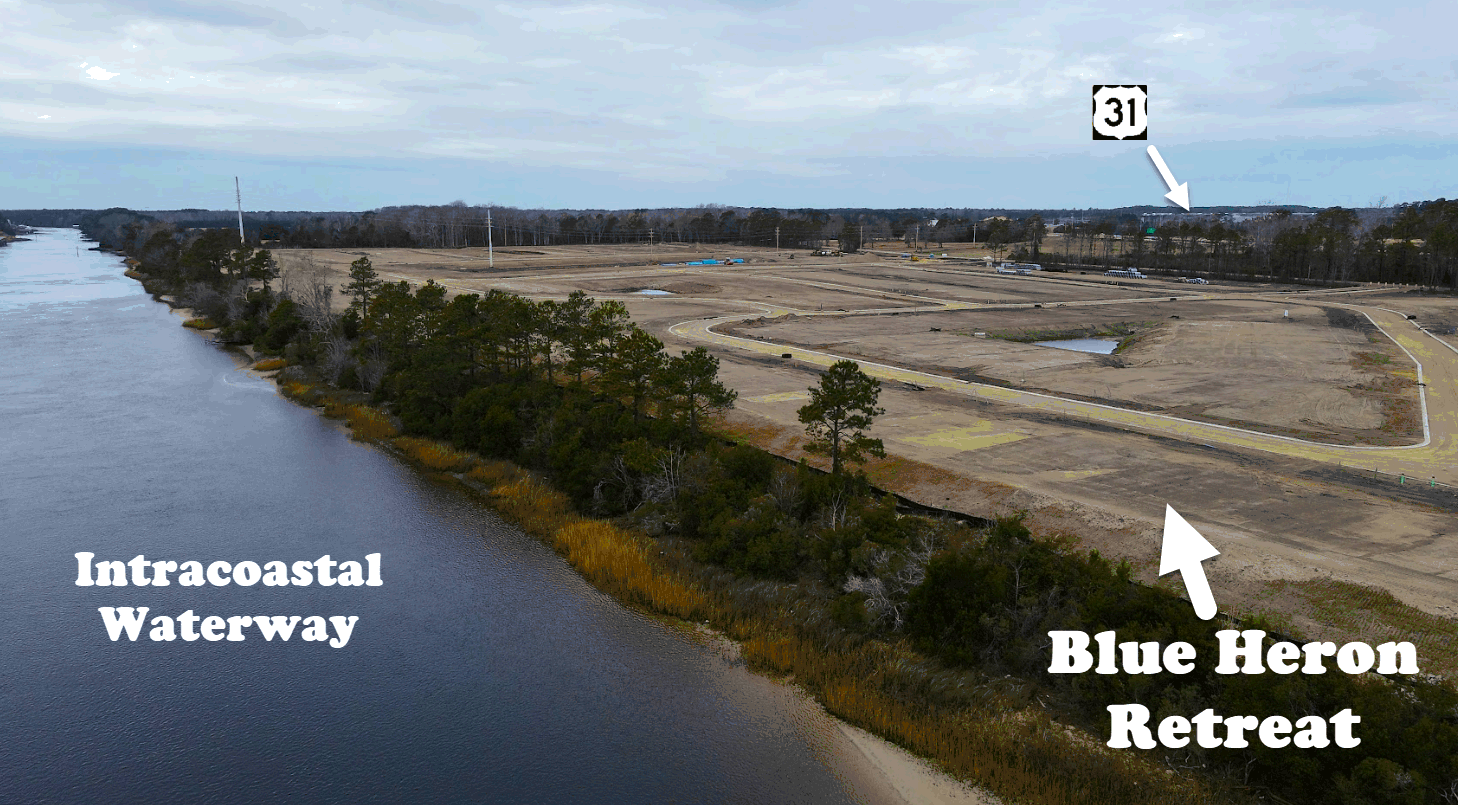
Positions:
{"x": 653, "y": 292}
{"x": 1098, "y": 345}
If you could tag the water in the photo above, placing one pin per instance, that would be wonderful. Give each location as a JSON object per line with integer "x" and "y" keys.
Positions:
{"x": 483, "y": 670}
{"x": 1096, "y": 345}
{"x": 653, "y": 292}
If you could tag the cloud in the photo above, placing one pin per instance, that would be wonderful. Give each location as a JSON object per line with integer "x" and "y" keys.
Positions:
{"x": 703, "y": 90}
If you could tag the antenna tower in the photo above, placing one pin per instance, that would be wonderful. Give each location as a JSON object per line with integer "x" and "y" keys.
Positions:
{"x": 238, "y": 192}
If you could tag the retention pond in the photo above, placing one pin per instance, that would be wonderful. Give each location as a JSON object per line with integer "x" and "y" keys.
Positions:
{"x": 1096, "y": 345}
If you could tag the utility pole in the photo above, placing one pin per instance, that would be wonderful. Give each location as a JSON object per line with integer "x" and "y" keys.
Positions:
{"x": 650, "y": 245}
{"x": 238, "y": 192}
{"x": 490, "y": 253}
{"x": 777, "y": 241}
{"x": 916, "y": 239}
{"x": 862, "y": 242}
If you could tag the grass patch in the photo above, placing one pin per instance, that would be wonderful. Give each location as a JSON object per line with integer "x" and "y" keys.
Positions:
{"x": 369, "y": 424}
{"x": 270, "y": 364}
{"x": 201, "y": 323}
{"x": 493, "y": 474}
{"x": 617, "y": 562}
{"x": 301, "y": 392}
{"x": 365, "y": 423}
{"x": 1370, "y": 360}
{"x": 438, "y": 456}
{"x": 1393, "y": 386}
{"x": 1366, "y": 612}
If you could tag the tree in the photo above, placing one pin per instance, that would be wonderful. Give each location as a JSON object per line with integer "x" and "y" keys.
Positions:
{"x": 692, "y": 380}
{"x": 572, "y": 323}
{"x": 850, "y": 238}
{"x": 364, "y": 283}
{"x": 207, "y": 258}
{"x": 1035, "y": 233}
{"x": 607, "y": 324}
{"x": 839, "y": 413}
{"x": 640, "y": 361}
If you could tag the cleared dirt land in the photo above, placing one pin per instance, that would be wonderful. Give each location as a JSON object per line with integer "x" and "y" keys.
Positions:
{"x": 1283, "y": 367}
{"x": 1090, "y": 446}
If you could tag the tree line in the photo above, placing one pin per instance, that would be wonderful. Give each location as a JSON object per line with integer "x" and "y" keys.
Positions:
{"x": 1414, "y": 244}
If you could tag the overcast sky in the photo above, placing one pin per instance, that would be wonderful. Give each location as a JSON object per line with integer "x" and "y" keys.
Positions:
{"x": 326, "y": 105}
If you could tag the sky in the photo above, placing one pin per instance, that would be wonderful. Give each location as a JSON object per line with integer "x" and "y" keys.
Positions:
{"x": 323, "y": 105}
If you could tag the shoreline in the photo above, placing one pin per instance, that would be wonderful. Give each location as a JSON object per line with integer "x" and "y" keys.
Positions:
{"x": 875, "y": 770}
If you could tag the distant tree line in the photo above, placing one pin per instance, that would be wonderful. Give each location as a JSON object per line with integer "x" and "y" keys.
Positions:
{"x": 1413, "y": 244}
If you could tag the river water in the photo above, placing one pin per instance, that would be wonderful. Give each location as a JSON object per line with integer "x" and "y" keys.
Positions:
{"x": 482, "y": 669}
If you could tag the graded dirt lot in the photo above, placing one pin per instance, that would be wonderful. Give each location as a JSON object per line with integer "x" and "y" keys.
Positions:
{"x": 1281, "y": 367}
{"x": 1281, "y": 437}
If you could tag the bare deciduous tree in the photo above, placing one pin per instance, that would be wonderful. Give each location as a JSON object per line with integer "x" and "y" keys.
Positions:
{"x": 895, "y": 576}
{"x": 784, "y": 490}
{"x": 663, "y": 485}
{"x": 372, "y": 367}
{"x": 308, "y": 285}
{"x": 334, "y": 358}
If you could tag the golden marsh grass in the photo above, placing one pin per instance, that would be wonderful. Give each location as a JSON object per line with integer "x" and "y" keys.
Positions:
{"x": 434, "y": 455}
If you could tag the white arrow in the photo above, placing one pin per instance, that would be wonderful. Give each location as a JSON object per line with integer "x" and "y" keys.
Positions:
{"x": 1184, "y": 549}
{"x": 1179, "y": 195}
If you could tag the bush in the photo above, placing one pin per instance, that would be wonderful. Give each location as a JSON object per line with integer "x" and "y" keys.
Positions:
{"x": 201, "y": 323}
{"x": 270, "y": 364}
{"x": 283, "y": 324}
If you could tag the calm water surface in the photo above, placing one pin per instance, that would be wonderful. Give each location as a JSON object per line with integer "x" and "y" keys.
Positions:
{"x": 1096, "y": 345}
{"x": 483, "y": 670}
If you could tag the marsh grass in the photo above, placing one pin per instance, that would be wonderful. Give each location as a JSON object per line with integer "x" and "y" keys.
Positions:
{"x": 270, "y": 364}
{"x": 369, "y": 424}
{"x": 617, "y": 562}
{"x": 301, "y": 392}
{"x": 438, "y": 456}
{"x": 201, "y": 323}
